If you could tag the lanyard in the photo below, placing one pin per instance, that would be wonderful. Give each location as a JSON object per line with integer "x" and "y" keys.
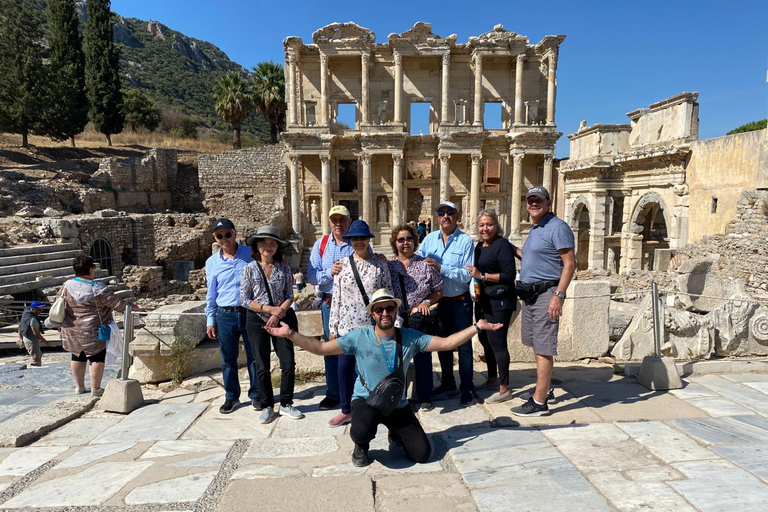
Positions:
{"x": 92, "y": 283}
{"x": 390, "y": 367}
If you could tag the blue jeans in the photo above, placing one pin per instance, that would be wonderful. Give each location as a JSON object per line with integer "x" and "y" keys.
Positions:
{"x": 230, "y": 325}
{"x": 331, "y": 362}
{"x": 455, "y": 316}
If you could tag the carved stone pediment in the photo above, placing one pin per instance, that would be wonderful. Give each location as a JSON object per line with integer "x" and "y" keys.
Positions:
{"x": 549, "y": 44}
{"x": 498, "y": 36}
{"x": 420, "y": 33}
{"x": 343, "y": 33}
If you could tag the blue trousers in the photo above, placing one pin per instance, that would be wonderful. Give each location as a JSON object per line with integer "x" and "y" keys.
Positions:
{"x": 456, "y": 315}
{"x": 331, "y": 362}
{"x": 230, "y": 326}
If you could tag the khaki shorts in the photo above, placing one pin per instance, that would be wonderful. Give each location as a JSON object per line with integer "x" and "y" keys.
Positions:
{"x": 538, "y": 330}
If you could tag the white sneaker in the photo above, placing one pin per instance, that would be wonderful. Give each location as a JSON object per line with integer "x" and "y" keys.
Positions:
{"x": 267, "y": 415}
{"x": 291, "y": 412}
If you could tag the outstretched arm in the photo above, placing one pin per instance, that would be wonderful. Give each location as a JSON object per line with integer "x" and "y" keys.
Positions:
{"x": 438, "y": 344}
{"x": 329, "y": 348}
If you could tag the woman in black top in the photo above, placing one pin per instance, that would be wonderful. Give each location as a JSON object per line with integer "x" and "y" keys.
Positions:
{"x": 495, "y": 270}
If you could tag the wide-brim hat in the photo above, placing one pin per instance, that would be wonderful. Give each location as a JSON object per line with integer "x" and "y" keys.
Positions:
{"x": 382, "y": 295}
{"x": 222, "y": 223}
{"x": 264, "y": 232}
{"x": 449, "y": 204}
{"x": 358, "y": 228}
{"x": 538, "y": 192}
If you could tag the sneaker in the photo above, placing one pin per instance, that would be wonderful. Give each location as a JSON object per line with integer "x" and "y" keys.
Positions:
{"x": 267, "y": 415}
{"x": 360, "y": 457}
{"x": 291, "y": 412}
{"x": 229, "y": 406}
{"x": 530, "y": 408}
{"x": 97, "y": 392}
{"x": 328, "y": 403}
{"x": 256, "y": 404}
{"x": 79, "y": 390}
{"x": 551, "y": 399}
{"x": 442, "y": 391}
{"x": 467, "y": 399}
{"x": 426, "y": 406}
{"x": 340, "y": 420}
{"x": 498, "y": 398}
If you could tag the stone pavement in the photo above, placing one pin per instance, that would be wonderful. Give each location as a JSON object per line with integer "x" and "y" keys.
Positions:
{"x": 610, "y": 444}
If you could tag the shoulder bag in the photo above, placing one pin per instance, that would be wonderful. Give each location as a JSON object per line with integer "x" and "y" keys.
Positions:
{"x": 428, "y": 324}
{"x": 59, "y": 308}
{"x": 389, "y": 391}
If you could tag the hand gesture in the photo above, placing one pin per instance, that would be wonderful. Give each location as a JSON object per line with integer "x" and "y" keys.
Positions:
{"x": 487, "y": 326}
{"x": 273, "y": 321}
{"x": 281, "y": 331}
{"x": 473, "y": 272}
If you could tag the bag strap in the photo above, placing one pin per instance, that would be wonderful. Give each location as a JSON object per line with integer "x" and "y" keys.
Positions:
{"x": 405, "y": 295}
{"x": 357, "y": 278}
{"x": 266, "y": 283}
{"x": 324, "y": 244}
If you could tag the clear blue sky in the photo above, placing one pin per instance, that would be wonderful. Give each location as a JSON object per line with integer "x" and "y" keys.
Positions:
{"x": 619, "y": 55}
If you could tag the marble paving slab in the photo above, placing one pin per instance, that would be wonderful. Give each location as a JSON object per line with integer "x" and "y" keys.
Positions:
{"x": 92, "y": 453}
{"x": 314, "y": 423}
{"x": 210, "y": 460}
{"x": 178, "y": 396}
{"x": 719, "y": 485}
{"x": 746, "y": 377}
{"x": 79, "y": 490}
{"x": 744, "y": 395}
{"x": 665, "y": 442}
{"x": 78, "y": 432}
{"x": 719, "y": 406}
{"x": 275, "y": 448}
{"x": 692, "y": 390}
{"x": 452, "y": 417}
{"x": 45, "y": 397}
{"x": 14, "y": 396}
{"x": 209, "y": 394}
{"x": 753, "y": 457}
{"x": 726, "y": 430}
{"x": 157, "y": 422}
{"x": 761, "y": 386}
{"x": 182, "y": 446}
{"x": 22, "y": 461}
{"x": 183, "y": 489}
{"x": 338, "y": 470}
{"x": 633, "y": 495}
{"x": 260, "y": 471}
{"x": 240, "y": 424}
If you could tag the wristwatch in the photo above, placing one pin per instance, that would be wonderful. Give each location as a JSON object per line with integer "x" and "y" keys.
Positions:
{"x": 427, "y": 302}
{"x": 560, "y": 295}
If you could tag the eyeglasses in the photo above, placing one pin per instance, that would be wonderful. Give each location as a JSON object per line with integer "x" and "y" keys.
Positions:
{"x": 219, "y": 236}
{"x": 445, "y": 212}
{"x": 359, "y": 238}
{"x": 404, "y": 239}
{"x": 388, "y": 309}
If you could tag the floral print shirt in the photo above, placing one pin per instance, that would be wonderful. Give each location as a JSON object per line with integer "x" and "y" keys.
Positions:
{"x": 420, "y": 279}
{"x": 347, "y": 307}
{"x": 252, "y": 286}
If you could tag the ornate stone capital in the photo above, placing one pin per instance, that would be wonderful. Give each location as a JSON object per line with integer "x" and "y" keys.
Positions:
{"x": 291, "y": 58}
{"x": 397, "y": 158}
{"x": 476, "y": 157}
{"x": 295, "y": 159}
{"x": 520, "y": 58}
{"x": 366, "y": 59}
{"x": 324, "y": 60}
{"x": 518, "y": 158}
{"x": 398, "y": 58}
{"x": 365, "y": 159}
{"x": 445, "y": 158}
{"x": 548, "y": 159}
{"x": 325, "y": 159}
{"x": 446, "y": 58}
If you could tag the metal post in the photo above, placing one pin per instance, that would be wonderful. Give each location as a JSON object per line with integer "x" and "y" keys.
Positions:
{"x": 127, "y": 338}
{"x": 656, "y": 324}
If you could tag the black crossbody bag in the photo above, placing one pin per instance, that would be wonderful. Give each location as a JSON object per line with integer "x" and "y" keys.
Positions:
{"x": 428, "y": 324}
{"x": 389, "y": 391}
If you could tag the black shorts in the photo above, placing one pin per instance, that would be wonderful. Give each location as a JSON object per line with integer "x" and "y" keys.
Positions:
{"x": 95, "y": 358}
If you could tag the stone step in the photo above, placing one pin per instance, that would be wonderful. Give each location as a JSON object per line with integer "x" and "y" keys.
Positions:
{"x": 44, "y": 256}
{"x": 35, "y": 275}
{"x": 37, "y": 249}
{"x": 35, "y": 266}
{"x": 44, "y": 282}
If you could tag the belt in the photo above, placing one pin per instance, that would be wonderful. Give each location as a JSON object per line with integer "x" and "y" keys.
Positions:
{"x": 232, "y": 308}
{"x": 456, "y": 297}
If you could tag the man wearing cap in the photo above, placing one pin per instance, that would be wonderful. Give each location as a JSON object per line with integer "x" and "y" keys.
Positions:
{"x": 31, "y": 332}
{"x": 449, "y": 251}
{"x": 546, "y": 270}
{"x": 324, "y": 263}
{"x": 375, "y": 350}
{"x": 225, "y": 316}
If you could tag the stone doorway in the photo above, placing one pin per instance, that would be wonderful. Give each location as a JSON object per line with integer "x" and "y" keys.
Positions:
{"x": 418, "y": 205}
{"x": 583, "y": 235}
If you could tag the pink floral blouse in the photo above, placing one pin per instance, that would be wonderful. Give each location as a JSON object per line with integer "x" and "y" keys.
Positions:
{"x": 347, "y": 307}
{"x": 420, "y": 279}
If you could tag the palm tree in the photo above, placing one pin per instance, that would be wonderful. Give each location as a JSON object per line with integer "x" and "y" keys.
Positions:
{"x": 268, "y": 90}
{"x": 233, "y": 102}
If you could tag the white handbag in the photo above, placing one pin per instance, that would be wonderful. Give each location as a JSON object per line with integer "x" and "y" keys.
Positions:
{"x": 58, "y": 310}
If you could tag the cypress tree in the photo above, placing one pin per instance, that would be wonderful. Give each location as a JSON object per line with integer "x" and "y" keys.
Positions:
{"x": 67, "y": 114}
{"x": 21, "y": 68}
{"x": 102, "y": 71}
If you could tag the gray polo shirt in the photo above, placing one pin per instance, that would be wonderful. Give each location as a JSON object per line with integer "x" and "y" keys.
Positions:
{"x": 541, "y": 259}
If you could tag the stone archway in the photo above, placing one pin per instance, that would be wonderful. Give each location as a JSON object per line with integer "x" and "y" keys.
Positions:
{"x": 579, "y": 220}
{"x": 101, "y": 252}
{"x": 649, "y": 224}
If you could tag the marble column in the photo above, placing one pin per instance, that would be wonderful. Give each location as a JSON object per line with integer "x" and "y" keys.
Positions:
{"x": 627, "y": 237}
{"x": 289, "y": 86}
{"x": 366, "y": 213}
{"x": 323, "y": 114}
{"x": 398, "y": 87}
{"x": 397, "y": 189}
{"x": 445, "y": 178}
{"x": 551, "y": 89}
{"x": 519, "y": 89}
{"x": 597, "y": 230}
{"x": 546, "y": 180}
{"x": 364, "y": 112}
{"x": 474, "y": 192}
{"x": 325, "y": 160}
{"x": 517, "y": 193}
{"x": 444, "y": 110}
{"x": 296, "y": 220}
{"x": 478, "y": 114}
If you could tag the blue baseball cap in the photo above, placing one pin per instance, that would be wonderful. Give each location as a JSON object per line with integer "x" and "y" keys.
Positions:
{"x": 37, "y": 305}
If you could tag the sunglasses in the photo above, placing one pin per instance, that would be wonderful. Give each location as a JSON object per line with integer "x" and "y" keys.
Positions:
{"x": 359, "y": 238}
{"x": 445, "y": 212}
{"x": 388, "y": 309}
{"x": 219, "y": 236}
{"x": 402, "y": 239}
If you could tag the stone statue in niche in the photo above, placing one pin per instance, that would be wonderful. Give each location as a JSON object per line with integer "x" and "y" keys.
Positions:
{"x": 461, "y": 111}
{"x": 382, "y": 210}
{"x": 314, "y": 215}
{"x": 310, "y": 109}
{"x": 380, "y": 111}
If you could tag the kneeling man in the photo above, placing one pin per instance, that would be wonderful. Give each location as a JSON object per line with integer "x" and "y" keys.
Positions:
{"x": 375, "y": 349}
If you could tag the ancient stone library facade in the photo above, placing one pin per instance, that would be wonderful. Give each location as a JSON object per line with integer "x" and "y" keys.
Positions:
{"x": 636, "y": 193}
{"x": 488, "y": 108}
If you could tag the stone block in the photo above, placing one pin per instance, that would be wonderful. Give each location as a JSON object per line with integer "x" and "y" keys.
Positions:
{"x": 584, "y": 325}
{"x": 661, "y": 259}
{"x": 122, "y": 396}
{"x": 167, "y": 325}
{"x": 205, "y": 357}
{"x": 659, "y": 373}
{"x": 310, "y": 323}
{"x": 108, "y": 212}
{"x": 127, "y": 198}
{"x": 61, "y": 228}
{"x": 695, "y": 279}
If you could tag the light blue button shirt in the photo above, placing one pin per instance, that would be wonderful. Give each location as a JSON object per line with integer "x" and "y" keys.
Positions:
{"x": 453, "y": 256}
{"x": 319, "y": 269}
{"x": 223, "y": 277}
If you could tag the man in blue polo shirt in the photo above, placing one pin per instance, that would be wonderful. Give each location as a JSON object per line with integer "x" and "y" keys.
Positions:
{"x": 448, "y": 251}
{"x": 225, "y": 317}
{"x": 546, "y": 270}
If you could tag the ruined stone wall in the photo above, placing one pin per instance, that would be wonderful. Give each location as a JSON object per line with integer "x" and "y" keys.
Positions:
{"x": 131, "y": 238}
{"x": 672, "y": 119}
{"x": 182, "y": 237}
{"x": 249, "y": 186}
{"x": 718, "y": 171}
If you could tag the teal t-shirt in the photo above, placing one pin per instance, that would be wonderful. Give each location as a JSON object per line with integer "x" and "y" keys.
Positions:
{"x": 371, "y": 364}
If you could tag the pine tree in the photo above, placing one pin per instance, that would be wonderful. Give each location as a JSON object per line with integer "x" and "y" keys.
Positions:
{"x": 140, "y": 112}
{"x": 67, "y": 115}
{"x": 21, "y": 68}
{"x": 102, "y": 71}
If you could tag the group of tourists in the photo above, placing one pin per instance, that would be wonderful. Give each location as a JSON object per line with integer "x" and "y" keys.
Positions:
{"x": 380, "y": 315}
